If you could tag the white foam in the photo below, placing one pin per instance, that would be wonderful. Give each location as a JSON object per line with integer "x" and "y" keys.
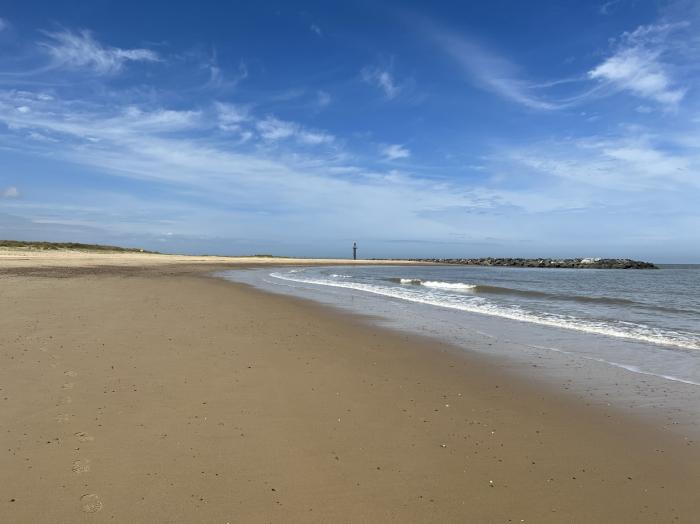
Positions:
{"x": 450, "y": 286}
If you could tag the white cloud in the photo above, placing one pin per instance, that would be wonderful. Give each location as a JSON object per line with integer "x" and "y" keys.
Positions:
{"x": 634, "y": 164}
{"x": 637, "y": 65}
{"x": 79, "y": 50}
{"x": 44, "y": 123}
{"x": 217, "y": 78}
{"x": 273, "y": 129}
{"x": 316, "y": 29}
{"x": 49, "y": 120}
{"x": 640, "y": 72}
{"x": 382, "y": 79}
{"x": 608, "y": 7}
{"x": 323, "y": 99}
{"x": 231, "y": 116}
{"x": 155, "y": 120}
{"x": 395, "y": 151}
{"x": 640, "y": 65}
{"x": 314, "y": 137}
{"x": 40, "y": 138}
{"x": 3, "y": 24}
{"x": 259, "y": 187}
{"x": 489, "y": 71}
{"x": 10, "y": 192}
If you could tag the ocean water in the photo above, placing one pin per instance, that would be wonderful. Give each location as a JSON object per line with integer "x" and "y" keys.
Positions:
{"x": 641, "y": 325}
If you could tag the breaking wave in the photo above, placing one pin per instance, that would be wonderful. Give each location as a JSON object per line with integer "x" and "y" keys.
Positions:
{"x": 479, "y": 289}
{"x": 438, "y": 294}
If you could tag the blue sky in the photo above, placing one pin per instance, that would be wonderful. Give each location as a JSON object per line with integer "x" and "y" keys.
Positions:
{"x": 500, "y": 128}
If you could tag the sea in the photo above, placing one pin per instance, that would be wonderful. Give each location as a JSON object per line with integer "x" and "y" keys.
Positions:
{"x": 625, "y": 336}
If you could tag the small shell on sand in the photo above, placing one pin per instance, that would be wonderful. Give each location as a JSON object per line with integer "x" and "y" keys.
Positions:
{"x": 90, "y": 503}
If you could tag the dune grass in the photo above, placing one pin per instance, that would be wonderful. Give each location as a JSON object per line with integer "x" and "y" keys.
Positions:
{"x": 70, "y": 246}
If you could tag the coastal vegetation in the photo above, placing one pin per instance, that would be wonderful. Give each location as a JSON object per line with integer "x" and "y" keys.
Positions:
{"x": 72, "y": 246}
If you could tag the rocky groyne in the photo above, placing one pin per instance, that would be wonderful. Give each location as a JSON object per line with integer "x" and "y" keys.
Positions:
{"x": 577, "y": 263}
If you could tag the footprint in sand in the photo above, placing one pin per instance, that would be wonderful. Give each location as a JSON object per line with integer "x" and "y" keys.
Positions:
{"x": 68, "y": 385}
{"x": 62, "y": 417}
{"x": 81, "y": 466}
{"x": 90, "y": 503}
{"x": 84, "y": 437}
{"x": 70, "y": 373}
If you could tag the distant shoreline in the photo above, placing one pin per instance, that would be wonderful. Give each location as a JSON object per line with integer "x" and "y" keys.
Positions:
{"x": 569, "y": 263}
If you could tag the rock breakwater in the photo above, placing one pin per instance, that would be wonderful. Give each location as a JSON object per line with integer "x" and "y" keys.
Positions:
{"x": 577, "y": 263}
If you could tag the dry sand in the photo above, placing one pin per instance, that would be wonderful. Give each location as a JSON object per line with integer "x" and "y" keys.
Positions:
{"x": 164, "y": 395}
{"x": 33, "y": 258}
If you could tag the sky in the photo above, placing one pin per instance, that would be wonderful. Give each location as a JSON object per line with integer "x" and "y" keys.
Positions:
{"x": 418, "y": 129}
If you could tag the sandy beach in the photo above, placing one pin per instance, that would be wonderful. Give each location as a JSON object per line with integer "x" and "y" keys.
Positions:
{"x": 138, "y": 388}
{"x": 38, "y": 258}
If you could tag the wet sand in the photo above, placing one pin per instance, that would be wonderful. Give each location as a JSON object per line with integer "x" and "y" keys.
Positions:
{"x": 159, "y": 394}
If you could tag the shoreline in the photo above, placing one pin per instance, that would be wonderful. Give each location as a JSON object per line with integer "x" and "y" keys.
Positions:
{"x": 665, "y": 401}
{"x": 201, "y": 389}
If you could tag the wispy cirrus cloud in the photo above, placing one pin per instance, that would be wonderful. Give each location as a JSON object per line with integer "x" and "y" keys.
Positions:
{"x": 219, "y": 80}
{"x": 608, "y": 7}
{"x": 395, "y": 152}
{"x": 640, "y": 72}
{"x": 496, "y": 74}
{"x": 10, "y": 192}
{"x": 273, "y": 129}
{"x": 80, "y": 50}
{"x": 637, "y": 65}
{"x": 49, "y": 119}
{"x": 382, "y": 79}
{"x": 323, "y": 98}
{"x": 54, "y": 120}
{"x": 231, "y": 116}
{"x": 258, "y": 187}
{"x": 633, "y": 163}
{"x": 490, "y": 71}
